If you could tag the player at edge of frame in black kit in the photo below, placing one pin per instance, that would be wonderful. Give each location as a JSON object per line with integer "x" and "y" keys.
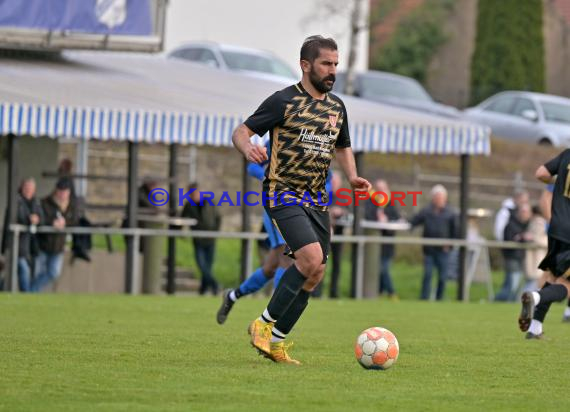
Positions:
{"x": 556, "y": 264}
{"x": 307, "y": 124}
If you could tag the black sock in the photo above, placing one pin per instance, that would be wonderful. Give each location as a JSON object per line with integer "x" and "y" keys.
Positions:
{"x": 553, "y": 293}
{"x": 542, "y": 308}
{"x": 569, "y": 302}
{"x": 288, "y": 289}
{"x": 292, "y": 315}
{"x": 238, "y": 293}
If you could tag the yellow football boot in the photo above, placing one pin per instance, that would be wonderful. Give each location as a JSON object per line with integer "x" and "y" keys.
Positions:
{"x": 260, "y": 333}
{"x": 279, "y": 353}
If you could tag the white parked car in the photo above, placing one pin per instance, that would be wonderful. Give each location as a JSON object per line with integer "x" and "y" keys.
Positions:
{"x": 525, "y": 117}
{"x": 226, "y": 57}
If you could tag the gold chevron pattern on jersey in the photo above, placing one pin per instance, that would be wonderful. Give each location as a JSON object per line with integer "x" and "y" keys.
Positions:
{"x": 302, "y": 148}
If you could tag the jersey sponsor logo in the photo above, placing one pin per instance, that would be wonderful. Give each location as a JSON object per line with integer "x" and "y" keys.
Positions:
{"x": 316, "y": 144}
{"x": 310, "y": 136}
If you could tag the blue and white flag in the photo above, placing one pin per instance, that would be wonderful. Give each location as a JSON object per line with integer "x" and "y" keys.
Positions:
{"x": 119, "y": 17}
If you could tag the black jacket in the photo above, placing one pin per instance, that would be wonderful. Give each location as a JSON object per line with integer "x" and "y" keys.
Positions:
{"x": 54, "y": 242}
{"x": 208, "y": 218}
{"x": 438, "y": 224}
{"x": 514, "y": 229}
{"x": 28, "y": 245}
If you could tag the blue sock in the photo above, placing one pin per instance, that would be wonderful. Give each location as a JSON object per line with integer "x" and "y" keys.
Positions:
{"x": 278, "y": 275}
{"x": 253, "y": 283}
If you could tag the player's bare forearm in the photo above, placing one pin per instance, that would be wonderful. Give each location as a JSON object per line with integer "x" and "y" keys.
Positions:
{"x": 345, "y": 158}
{"x": 545, "y": 204}
{"x": 241, "y": 138}
{"x": 544, "y": 175}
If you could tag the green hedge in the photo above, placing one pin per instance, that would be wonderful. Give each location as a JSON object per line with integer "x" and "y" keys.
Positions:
{"x": 417, "y": 38}
{"x": 509, "y": 50}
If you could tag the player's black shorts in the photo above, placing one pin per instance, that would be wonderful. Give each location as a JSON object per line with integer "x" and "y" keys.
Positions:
{"x": 557, "y": 258}
{"x": 302, "y": 225}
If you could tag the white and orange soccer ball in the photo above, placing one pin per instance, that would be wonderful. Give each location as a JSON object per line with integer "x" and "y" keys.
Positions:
{"x": 376, "y": 348}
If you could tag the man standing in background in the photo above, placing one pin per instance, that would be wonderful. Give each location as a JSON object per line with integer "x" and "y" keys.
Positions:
{"x": 440, "y": 222}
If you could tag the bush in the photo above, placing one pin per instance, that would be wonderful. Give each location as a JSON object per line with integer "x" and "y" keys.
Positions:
{"x": 509, "y": 50}
{"x": 417, "y": 38}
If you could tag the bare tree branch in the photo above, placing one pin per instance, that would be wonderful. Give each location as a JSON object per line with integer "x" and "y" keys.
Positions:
{"x": 355, "y": 18}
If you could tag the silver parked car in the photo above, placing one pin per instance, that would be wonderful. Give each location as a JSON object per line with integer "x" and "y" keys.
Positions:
{"x": 227, "y": 57}
{"x": 526, "y": 117}
{"x": 395, "y": 90}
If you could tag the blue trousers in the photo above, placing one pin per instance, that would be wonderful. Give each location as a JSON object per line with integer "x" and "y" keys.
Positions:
{"x": 513, "y": 276}
{"x": 205, "y": 259}
{"x": 48, "y": 268}
{"x": 385, "y": 277}
{"x": 439, "y": 260}
{"x": 24, "y": 274}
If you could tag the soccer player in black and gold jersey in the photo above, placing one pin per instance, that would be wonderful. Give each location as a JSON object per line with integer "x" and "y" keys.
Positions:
{"x": 307, "y": 125}
{"x": 556, "y": 264}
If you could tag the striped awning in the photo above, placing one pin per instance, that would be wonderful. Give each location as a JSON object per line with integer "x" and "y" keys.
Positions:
{"x": 154, "y": 100}
{"x": 107, "y": 124}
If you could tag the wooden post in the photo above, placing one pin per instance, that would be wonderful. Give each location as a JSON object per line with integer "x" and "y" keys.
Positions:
{"x": 132, "y": 211}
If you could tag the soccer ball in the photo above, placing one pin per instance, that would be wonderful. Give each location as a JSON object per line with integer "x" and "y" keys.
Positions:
{"x": 376, "y": 348}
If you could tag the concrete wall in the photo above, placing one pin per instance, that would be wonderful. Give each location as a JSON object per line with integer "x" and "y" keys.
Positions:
{"x": 104, "y": 274}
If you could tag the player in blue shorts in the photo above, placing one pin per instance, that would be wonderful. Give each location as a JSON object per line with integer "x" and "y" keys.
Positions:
{"x": 274, "y": 265}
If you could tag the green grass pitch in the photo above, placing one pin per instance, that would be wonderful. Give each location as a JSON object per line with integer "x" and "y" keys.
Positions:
{"x": 119, "y": 353}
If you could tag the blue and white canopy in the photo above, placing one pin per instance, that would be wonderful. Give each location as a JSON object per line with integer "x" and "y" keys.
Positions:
{"x": 106, "y": 96}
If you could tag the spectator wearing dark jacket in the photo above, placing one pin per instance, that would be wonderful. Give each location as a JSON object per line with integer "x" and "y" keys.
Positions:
{"x": 59, "y": 211}
{"x": 388, "y": 213}
{"x": 81, "y": 244}
{"x": 65, "y": 173}
{"x": 144, "y": 203}
{"x": 29, "y": 213}
{"x": 208, "y": 218}
{"x": 440, "y": 222}
{"x": 517, "y": 230}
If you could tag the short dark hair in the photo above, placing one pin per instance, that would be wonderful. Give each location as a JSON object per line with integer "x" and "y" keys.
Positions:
{"x": 313, "y": 44}
{"x": 192, "y": 185}
{"x": 65, "y": 166}
{"x": 63, "y": 184}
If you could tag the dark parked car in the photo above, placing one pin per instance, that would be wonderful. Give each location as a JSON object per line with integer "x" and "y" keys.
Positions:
{"x": 396, "y": 90}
